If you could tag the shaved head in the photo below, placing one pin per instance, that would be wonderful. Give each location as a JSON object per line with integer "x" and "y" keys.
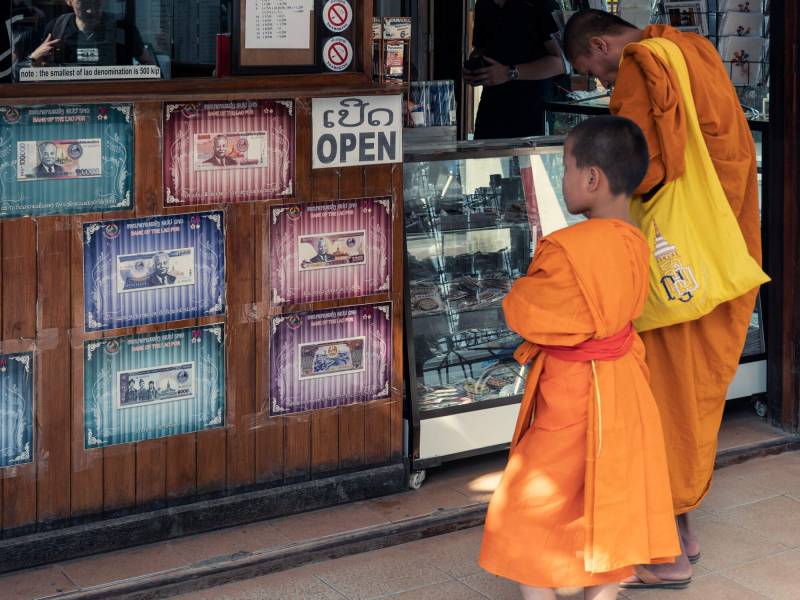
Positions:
{"x": 586, "y": 24}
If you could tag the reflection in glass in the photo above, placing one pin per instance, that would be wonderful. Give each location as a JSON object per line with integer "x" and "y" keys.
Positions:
{"x": 177, "y": 37}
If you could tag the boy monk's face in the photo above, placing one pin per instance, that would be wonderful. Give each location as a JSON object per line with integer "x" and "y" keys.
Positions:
{"x": 578, "y": 185}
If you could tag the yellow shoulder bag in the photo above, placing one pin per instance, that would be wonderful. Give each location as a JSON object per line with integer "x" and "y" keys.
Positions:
{"x": 699, "y": 258}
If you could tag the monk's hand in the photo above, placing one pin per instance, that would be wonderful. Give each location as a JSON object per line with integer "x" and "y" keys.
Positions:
{"x": 494, "y": 74}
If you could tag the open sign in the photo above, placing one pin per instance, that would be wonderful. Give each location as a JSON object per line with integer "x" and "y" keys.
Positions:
{"x": 350, "y": 131}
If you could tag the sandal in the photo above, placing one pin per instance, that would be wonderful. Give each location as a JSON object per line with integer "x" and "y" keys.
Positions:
{"x": 694, "y": 558}
{"x": 650, "y": 581}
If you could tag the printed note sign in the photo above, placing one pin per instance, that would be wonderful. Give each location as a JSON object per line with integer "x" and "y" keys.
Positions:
{"x": 364, "y": 130}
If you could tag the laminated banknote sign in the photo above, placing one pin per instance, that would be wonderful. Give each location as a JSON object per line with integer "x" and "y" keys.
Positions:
{"x": 65, "y": 159}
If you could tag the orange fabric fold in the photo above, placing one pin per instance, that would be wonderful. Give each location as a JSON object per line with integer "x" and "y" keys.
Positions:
{"x": 692, "y": 364}
{"x": 593, "y": 510}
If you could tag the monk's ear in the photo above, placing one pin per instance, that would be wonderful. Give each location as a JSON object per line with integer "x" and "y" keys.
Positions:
{"x": 598, "y": 45}
{"x": 593, "y": 178}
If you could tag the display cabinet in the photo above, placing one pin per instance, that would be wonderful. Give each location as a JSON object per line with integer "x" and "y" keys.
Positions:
{"x": 473, "y": 212}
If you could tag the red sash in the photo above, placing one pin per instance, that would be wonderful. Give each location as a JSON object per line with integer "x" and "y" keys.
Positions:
{"x": 610, "y": 348}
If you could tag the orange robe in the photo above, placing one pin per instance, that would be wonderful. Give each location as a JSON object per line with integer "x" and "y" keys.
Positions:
{"x": 693, "y": 364}
{"x": 586, "y": 493}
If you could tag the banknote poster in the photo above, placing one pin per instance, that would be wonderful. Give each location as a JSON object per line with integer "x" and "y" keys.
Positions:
{"x": 330, "y": 250}
{"x": 65, "y": 159}
{"x": 152, "y": 385}
{"x": 153, "y": 270}
{"x": 16, "y": 409}
{"x": 221, "y": 152}
{"x": 330, "y": 358}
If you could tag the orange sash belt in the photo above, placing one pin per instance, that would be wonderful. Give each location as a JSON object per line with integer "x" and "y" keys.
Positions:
{"x": 606, "y": 349}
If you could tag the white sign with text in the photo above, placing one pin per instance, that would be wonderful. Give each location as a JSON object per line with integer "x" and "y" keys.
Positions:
{"x": 356, "y": 130}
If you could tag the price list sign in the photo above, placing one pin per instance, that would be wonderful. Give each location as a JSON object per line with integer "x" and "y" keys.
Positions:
{"x": 277, "y": 24}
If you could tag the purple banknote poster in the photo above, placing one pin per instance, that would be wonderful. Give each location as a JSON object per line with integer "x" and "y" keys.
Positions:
{"x": 228, "y": 151}
{"x": 330, "y": 358}
{"x": 330, "y": 250}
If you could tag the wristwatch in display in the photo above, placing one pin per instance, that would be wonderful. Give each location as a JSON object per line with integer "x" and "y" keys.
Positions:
{"x": 513, "y": 72}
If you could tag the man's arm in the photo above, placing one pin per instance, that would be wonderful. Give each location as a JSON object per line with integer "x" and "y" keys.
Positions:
{"x": 630, "y": 99}
{"x": 542, "y": 68}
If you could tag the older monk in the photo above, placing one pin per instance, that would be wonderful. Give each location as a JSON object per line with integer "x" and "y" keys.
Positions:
{"x": 691, "y": 364}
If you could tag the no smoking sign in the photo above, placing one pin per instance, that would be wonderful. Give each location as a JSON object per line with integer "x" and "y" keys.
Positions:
{"x": 337, "y": 54}
{"x": 337, "y": 15}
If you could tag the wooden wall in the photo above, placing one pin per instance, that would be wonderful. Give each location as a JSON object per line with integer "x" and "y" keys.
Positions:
{"x": 41, "y": 285}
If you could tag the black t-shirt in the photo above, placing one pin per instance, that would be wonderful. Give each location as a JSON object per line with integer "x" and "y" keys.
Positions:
{"x": 112, "y": 43}
{"x": 512, "y": 35}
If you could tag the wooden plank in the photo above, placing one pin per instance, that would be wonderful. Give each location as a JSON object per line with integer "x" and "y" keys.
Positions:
{"x": 19, "y": 323}
{"x": 181, "y": 466}
{"x": 396, "y": 409}
{"x": 240, "y": 345}
{"x": 53, "y": 370}
{"x": 119, "y": 477}
{"x": 324, "y": 434}
{"x": 86, "y": 474}
{"x": 380, "y": 438}
{"x": 151, "y": 484}
{"x": 352, "y": 181}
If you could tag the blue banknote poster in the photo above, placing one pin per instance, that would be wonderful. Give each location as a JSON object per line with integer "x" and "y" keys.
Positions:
{"x": 65, "y": 159}
{"x": 153, "y": 270}
{"x": 16, "y": 409}
{"x": 152, "y": 385}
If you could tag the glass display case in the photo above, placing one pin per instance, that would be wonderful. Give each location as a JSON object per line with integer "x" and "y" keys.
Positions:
{"x": 473, "y": 213}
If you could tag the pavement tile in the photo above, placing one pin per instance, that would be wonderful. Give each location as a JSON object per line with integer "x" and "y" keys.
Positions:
{"x": 124, "y": 564}
{"x": 777, "y": 519}
{"x": 780, "y": 473}
{"x": 777, "y": 577}
{"x": 226, "y": 542}
{"x": 297, "y": 584}
{"x": 455, "y": 553}
{"x": 725, "y": 544}
{"x": 329, "y": 521}
{"x": 493, "y": 587}
{"x": 35, "y": 583}
{"x": 449, "y": 590}
{"x": 745, "y": 431}
{"x": 380, "y": 573}
{"x": 729, "y": 490}
{"x": 711, "y": 587}
{"x": 418, "y": 503}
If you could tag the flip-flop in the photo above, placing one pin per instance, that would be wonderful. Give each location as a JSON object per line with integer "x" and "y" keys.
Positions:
{"x": 650, "y": 581}
{"x": 694, "y": 558}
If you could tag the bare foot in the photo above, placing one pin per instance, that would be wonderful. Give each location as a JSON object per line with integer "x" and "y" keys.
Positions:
{"x": 688, "y": 536}
{"x": 677, "y": 574}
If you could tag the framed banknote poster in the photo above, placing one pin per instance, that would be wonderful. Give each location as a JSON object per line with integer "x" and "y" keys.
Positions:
{"x": 153, "y": 270}
{"x": 152, "y": 385}
{"x": 330, "y": 358}
{"x": 65, "y": 159}
{"x": 219, "y": 152}
{"x": 330, "y": 250}
{"x": 16, "y": 409}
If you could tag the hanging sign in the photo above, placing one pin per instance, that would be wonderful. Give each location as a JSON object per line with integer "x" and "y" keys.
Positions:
{"x": 337, "y": 15}
{"x": 362, "y": 130}
{"x": 337, "y": 54}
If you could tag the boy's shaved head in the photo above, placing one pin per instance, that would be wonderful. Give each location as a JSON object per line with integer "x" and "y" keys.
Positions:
{"x": 616, "y": 146}
{"x": 587, "y": 24}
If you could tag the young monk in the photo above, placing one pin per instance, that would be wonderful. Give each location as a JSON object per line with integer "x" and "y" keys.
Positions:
{"x": 585, "y": 495}
{"x": 691, "y": 364}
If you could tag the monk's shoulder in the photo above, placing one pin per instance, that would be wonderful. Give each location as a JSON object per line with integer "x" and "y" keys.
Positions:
{"x": 593, "y": 234}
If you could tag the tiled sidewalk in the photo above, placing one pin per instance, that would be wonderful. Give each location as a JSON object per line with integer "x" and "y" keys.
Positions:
{"x": 752, "y": 513}
{"x": 749, "y": 527}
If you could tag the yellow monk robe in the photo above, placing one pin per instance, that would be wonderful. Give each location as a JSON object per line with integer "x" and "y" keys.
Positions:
{"x": 692, "y": 364}
{"x": 586, "y": 493}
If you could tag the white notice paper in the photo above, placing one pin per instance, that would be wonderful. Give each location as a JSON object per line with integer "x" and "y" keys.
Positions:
{"x": 277, "y": 24}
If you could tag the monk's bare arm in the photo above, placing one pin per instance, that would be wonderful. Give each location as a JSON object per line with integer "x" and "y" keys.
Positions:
{"x": 630, "y": 100}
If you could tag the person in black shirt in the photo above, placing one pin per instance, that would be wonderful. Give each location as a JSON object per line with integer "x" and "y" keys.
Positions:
{"x": 89, "y": 36}
{"x": 514, "y": 38}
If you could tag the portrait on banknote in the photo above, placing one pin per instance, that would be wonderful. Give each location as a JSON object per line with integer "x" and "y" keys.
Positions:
{"x": 65, "y": 159}
{"x": 228, "y": 151}
{"x": 330, "y": 250}
{"x": 153, "y": 270}
{"x": 329, "y": 358}
{"x": 16, "y": 409}
{"x": 152, "y": 385}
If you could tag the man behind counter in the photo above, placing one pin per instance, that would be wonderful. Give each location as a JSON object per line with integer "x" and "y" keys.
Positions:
{"x": 513, "y": 39}
{"x": 90, "y": 36}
